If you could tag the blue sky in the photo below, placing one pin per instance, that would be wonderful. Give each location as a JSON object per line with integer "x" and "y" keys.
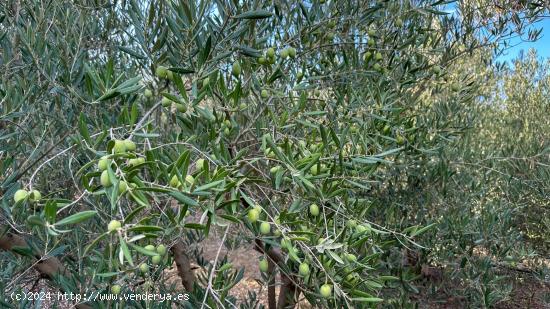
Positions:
{"x": 542, "y": 45}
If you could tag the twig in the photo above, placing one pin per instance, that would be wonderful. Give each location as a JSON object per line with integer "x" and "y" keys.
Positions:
{"x": 211, "y": 276}
{"x": 142, "y": 120}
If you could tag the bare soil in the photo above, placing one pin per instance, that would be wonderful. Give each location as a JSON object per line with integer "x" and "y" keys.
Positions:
{"x": 527, "y": 292}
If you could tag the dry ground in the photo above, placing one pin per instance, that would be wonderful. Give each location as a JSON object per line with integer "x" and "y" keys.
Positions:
{"x": 527, "y": 292}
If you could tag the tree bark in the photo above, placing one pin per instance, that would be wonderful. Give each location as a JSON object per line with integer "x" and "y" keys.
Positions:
{"x": 183, "y": 264}
{"x": 47, "y": 267}
{"x": 271, "y": 295}
{"x": 289, "y": 291}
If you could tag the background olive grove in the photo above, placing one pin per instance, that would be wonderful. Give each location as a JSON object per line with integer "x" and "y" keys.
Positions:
{"x": 372, "y": 151}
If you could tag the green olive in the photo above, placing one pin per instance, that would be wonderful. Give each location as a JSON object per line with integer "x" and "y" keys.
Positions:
{"x": 166, "y": 102}
{"x": 264, "y": 265}
{"x": 104, "y": 179}
{"x": 35, "y": 196}
{"x": 284, "y": 53}
{"x": 103, "y": 163}
{"x": 114, "y": 225}
{"x": 292, "y": 52}
{"x": 119, "y": 146}
{"x": 253, "y": 215}
{"x": 180, "y": 107}
{"x": 200, "y": 165}
{"x": 351, "y": 257}
{"x": 236, "y": 69}
{"x": 122, "y": 187}
{"x": 161, "y": 71}
{"x": 155, "y": 260}
{"x": 174, "y": 182}
{"x": 275, "y": 169}
{"x": 129, "y": 145}
{"x": 303, "y": 269}
{"x": 161, "y": 249}
{"x": 265, "y": 228}
{"x": 20, "y": 195}
{"x": 314, "y": 210}
{"x": 115, "y": 289}
{"x": 190, "y": 179}
{"x": 455, "y": 87}
{"x": 144, "y": 268}
{"x": 399, "y": 22}
{"x": 326, "y": 290}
